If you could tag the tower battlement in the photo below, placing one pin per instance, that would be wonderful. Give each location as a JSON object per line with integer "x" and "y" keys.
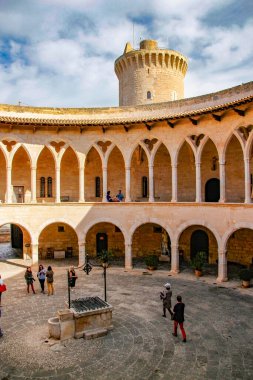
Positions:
{"x": 150, "y": 74}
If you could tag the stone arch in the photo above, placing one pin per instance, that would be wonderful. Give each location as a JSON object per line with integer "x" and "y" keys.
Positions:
{"x": 22, "y": 240}
{"x": 93, "y": 175}
{"x": 186, "y": 173}
{"x": 231, "y": 230}
{"x": 151, "y": 221}
{"x": 21, "y": 175}
{"x": 209, "y": 159}
{"x": 104, "y": 236}
{"x": 70, "y": 176}
{"x": 139, "y": 173}
{"x": 46, "y": 169}
{"x": 185, "y": 242}
{"x": 162, "y": 174}
{"x": 3, "y": 174}
{"x": 116, "y": 172}
{"x": 57, "y": 235}
{"x": 85, "y": 227}
{"x": 239, "y": 249}
{"x": 197, "y": 222}
{"x": 235, "y": 184}
{"x": 133, "y": 148}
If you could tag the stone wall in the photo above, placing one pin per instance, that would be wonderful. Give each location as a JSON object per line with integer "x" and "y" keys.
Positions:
{"x": 116, "y": 242}
{"x": 21, "y": 173}
{"x": 146, "y": 241}
{"x": 240, "y": 247}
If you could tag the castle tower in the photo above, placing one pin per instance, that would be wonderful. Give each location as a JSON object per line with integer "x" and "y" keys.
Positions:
{"x": 150, "y": 74}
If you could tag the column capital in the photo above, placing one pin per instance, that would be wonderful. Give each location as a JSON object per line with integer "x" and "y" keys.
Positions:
{"x": 127, "y": 167}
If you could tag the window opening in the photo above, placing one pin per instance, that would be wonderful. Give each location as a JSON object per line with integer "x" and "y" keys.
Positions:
{"x": 49, "y": 187}
{"x": 42, "y": 187}
{"x": 144, "y": 187}
{"x": 149, "y": 95}
{"x": 97, "y": 187}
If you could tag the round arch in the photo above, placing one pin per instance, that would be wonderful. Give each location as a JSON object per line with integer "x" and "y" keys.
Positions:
{"x": 84, "y": 228}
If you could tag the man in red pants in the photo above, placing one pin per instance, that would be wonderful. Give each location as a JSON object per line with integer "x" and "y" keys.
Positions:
{"x": 179, "y": 317}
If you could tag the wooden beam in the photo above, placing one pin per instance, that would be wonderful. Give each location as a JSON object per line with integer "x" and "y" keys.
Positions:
{"x": 170, "y": 124}
{"x": 126, "y": 128}
{"x": 149, "y": 127}
{"x": 194, "y": 122}
{"x": 34, "y": 129}
{"x": 216, "y": 117}
{"x": 239, "y": 112}
{"x": 103, "y": 129}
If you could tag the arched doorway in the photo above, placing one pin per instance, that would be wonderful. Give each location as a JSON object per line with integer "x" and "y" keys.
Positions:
{"x": 15, "y": 241}
{"x": 58, "y": 240}
{"x": 199, "y": 243}
{"x": 212, "y": 190}
{"x": 105, "y": 236}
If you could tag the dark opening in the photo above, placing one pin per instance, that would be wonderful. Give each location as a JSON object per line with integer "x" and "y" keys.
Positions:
{"x": 199, "y": 243}
{"x": 148, "y": 95}
{"x": 42, "y": 187}
{"x": 16, "y": 237}
{"x": 97, "y": 187}
{"x": 212, "y": 190}
{"x": 49, "y": 187}
{"x": 144, "y": 187}
{"x": 101, "y": 242}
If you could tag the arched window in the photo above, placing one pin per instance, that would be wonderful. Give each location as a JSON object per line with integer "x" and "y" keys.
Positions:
{"x": 149, "y": 95}
{"x": 42, "y": 187}
{"x": 144, "y": 187}
{"x": 49, "y": 187}
{"x": 97, "y": 187}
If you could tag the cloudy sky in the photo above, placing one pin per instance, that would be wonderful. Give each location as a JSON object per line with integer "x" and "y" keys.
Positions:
{"x": 61, "y": 53}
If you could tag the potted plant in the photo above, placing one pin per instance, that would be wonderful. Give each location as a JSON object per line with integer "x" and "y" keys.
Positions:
{"x": 104, "y": 257}
{"x": 245, "y": 275}
{"x": 198, "y": 262}
{"x": 151, "y": 262}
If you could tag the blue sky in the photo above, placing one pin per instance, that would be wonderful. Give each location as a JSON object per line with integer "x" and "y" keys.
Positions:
{"x": 61, "y": 53}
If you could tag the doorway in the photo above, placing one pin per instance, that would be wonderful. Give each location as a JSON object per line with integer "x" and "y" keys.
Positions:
{"x": 101, "y": 242}
{"x": 212, "y": 190}
{"x": 199, "y": 243}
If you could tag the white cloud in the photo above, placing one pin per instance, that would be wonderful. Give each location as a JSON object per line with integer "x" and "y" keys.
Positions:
{"x": 61, "y": 52}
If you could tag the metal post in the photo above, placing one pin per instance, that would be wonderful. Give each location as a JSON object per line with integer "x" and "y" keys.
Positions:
{"x": 68, "y": 287}
{"x": 104, "y": 266}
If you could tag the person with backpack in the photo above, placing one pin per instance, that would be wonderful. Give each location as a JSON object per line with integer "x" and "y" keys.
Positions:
{"x": 50, "y": 281}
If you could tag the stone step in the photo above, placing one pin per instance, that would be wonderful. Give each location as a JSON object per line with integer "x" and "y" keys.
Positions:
{"x": 95, "y": 333}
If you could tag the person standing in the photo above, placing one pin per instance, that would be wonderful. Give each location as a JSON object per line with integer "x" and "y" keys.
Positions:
{"x": 72, "y": 277}
{"x": 42, "y": 276}
{"x": 2, "y": 289}
{"x": 1, "y": 331}
{"x": 29, "y": 279}
{"x": 179, "y": 317}
{"x": 50, "y": 281}
{"x": 165, "y": 296}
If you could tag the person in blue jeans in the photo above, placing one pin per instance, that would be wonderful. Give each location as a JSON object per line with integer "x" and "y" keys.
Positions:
{"x": 42, "y": 277}
{"x": 120, "y": 196}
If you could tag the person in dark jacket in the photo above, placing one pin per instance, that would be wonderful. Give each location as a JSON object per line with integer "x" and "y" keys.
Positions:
{"x": 29, "y": 279}
{"x": 179, "y": 317}
{"x": 72, "y": 277}
{"x": 50, "y": 281}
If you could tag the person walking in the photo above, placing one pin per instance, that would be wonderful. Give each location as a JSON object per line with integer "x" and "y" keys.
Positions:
{"x": 1, "y": 331}
{"x": 50, "y": 281}
{"x": 72, "y": 278}
{"x": 179, "y": 317}
{"x": 42, "y": 277}
{"x": 165, "y": 296}
{"x": 2, "y": 288}
{"x": 29, "y": 279}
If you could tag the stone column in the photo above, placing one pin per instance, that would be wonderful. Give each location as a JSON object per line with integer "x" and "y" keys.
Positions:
{"x": 58, "y": 184}
{"x": 8, "y": 185}
{"x": 128, "y": 257}
{"x": 174, "y": 183}
{"x": 222, "y": 267}
{"x": 151, "y": 183}
{"x": 81, "y": 253}
{"x": 35, "y": 253}
{"x": 81, "y": 184}
{"x": 222, "y": 183}
{"x": 198, "y": 182}
{"x": 247, "y": 181}
{"x": 33, "y": 185}
{"x": 104, "y": 183}
{"x": 128, "y": 184}
{"x": 174, "y": 259}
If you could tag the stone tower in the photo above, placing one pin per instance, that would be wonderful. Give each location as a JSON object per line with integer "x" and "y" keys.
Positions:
{"x": 150, "y": 74}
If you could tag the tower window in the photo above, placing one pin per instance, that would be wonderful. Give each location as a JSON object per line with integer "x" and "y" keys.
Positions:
{"x": 144, "y": 187}
{"x": 149, "y": 95}
{"x": 174, "y": 95}
{"x": 97, "y": 187}
{"x": 42, "y": 187}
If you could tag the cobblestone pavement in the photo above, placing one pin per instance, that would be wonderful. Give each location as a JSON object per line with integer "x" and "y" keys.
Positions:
{"x": 218, "y": 325}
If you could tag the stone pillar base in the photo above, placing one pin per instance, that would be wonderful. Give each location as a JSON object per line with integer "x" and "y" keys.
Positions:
{"x": 221, "y": 279}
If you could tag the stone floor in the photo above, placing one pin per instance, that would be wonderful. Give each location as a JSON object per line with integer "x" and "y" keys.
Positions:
{"x": 218, "y": 325}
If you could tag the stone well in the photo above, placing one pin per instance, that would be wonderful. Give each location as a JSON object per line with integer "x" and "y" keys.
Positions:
{"x": 88, "y": 318}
